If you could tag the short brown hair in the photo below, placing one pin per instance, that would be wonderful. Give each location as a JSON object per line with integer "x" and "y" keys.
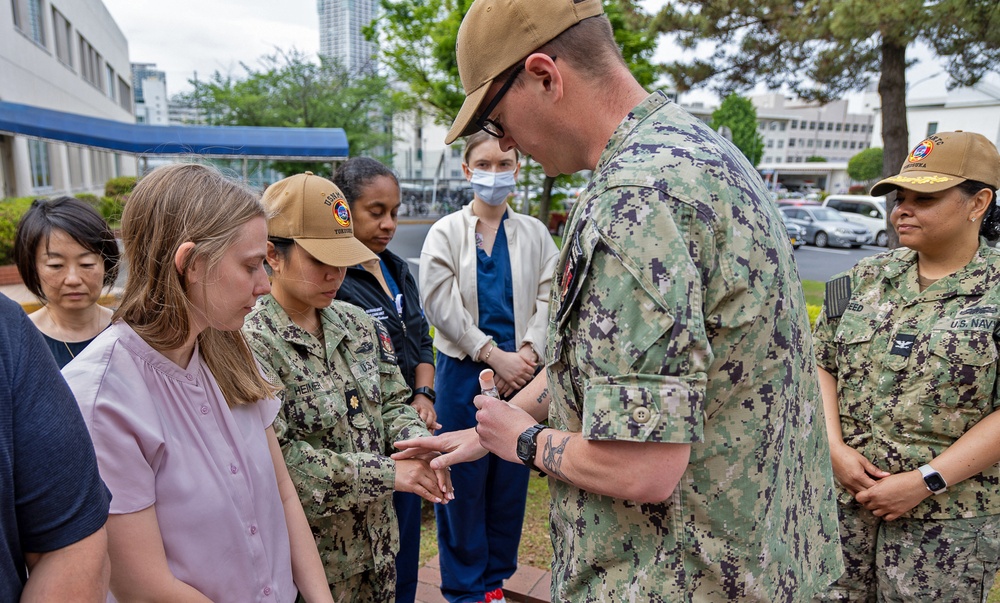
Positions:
{"x": 72, "y": 216}
{"x": 172, "y": 205}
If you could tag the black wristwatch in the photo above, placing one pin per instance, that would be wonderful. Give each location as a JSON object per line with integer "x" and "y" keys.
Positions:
{"x": 527, "y": 444}
{"x": 425, "y": 391}
{"x": 933, "y": 480}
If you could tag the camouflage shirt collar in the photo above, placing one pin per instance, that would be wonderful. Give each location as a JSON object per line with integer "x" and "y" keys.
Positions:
{"x": 640, "y": 112}
{"x": 969, "y": 280}
{"x": 333, "y": 333}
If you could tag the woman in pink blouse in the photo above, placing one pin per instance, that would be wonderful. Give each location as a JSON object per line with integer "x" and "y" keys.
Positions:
{"x": 203, "y": 508}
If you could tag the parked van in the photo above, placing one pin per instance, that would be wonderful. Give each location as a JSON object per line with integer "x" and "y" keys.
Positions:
{"x": 864, "y": 210}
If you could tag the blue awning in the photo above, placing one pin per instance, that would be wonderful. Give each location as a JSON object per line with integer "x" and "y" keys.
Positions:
{"x": 325, "y": 144}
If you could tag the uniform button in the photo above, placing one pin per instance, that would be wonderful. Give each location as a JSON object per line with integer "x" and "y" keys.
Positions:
{"x": 204, "y": 410}
{"x": 233, "y": 469}
{"x": 640, "y": 414}
{"x": 189, "y": 377}
{"x": 267, "y": 591}
{"x": 253, "y": 530}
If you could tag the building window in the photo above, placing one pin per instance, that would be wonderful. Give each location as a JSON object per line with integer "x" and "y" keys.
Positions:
{"x": 90, "y": 64}
{"x": 28, "y": 19}
{"x": 456, "y": 151}
{"x": 774, "y": 126}
{"x": 109, "y": 80}
{"x": 781, "y": 144}
{"x": 63, "y": 38}
{"x": 41, "y": 168}
{"x": 836, "y": 144}
{"x": 124, "y": 95}
{"x": 840, "y": 127}
{"x": 791, "y": 142}
{"x": 855, "y": 129}
{"x": 812, "y": 125}
{"x": 810, "y": 143}
{"x": 795, "y": 124}
{"x": 826, "y": 144}
{"x": 770, "y": 144}
{"x": 854, "y": 144}
{"x": 932, "y": 128}
{"x": 829, "y": 126}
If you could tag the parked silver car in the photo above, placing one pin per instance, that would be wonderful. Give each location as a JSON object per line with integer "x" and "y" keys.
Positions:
{"x": 825, "y": 226}
{"x": 864, "y": 210}
{"x": 796, "y": 234}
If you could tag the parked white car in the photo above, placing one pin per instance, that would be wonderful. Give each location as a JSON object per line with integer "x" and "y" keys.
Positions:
{"x": 864, "y": 210}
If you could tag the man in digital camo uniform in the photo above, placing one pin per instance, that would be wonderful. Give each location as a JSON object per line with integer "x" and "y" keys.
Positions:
{"x": 686, "y": 436}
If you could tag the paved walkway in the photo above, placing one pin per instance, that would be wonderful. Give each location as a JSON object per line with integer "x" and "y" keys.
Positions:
{"x": 527, "y": 585}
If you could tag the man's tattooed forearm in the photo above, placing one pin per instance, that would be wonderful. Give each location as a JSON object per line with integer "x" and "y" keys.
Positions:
{"x": 552, "y": 457}
{"x": 542, "y": 396}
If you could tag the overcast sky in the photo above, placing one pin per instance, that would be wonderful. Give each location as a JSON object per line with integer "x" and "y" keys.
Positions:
{"x": 185, "y": 36}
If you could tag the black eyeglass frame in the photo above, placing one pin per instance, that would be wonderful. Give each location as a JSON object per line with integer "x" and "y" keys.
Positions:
{"x": 484, "y": 123}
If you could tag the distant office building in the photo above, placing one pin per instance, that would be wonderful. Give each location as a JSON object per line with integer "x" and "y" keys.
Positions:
{"x": 150, "y": 87}
{"x": 340, "y": 33}
{"x": 185, "y": 114}
{"x": 63, "y": 55}
{"x": 795, "y": 130}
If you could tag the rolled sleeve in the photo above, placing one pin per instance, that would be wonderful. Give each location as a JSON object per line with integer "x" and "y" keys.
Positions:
{"x": 642, "y": 409}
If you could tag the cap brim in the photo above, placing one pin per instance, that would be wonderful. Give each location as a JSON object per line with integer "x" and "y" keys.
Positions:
{"x": 463, "y": 125}
{"x": 340, "y": 253}
{"x": 922, "y": 182}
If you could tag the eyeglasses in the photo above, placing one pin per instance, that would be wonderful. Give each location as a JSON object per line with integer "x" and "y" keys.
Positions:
{"x": 492, "y": 126}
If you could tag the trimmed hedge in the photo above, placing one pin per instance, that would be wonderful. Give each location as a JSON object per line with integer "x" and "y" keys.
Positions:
{"x": 120, "y": 186}
{"x": 11, "y": 211}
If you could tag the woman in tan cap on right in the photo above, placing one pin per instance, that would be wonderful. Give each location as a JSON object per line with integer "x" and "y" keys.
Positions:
{"x": 907, "y": 354}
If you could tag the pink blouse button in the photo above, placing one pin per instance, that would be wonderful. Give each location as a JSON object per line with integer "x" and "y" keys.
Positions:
{"x": 204, "y": 410}
{"x": 189, "y": 377}
{"x": 267, "y": 591}
{"x": 253, "y": 529}
{"x": 233, "y": 469}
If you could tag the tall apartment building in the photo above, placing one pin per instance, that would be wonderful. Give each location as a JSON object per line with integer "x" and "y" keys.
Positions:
{"x": 340, "y": 33}
{"x": 70, "y": 56}
{"x": 150, "y": 87}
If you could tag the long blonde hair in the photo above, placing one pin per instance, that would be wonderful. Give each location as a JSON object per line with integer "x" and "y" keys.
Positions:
{"x": 170, "y": 206}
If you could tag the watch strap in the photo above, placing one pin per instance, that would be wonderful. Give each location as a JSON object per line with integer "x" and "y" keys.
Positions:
{"x": 931, "y": 476}
{"x": 430, "y": 393}
{"x": 530, "y": 437}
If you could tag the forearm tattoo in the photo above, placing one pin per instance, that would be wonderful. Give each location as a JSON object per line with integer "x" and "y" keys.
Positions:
{"x": 552, "y": 457}
{"x": 542, "y": 396}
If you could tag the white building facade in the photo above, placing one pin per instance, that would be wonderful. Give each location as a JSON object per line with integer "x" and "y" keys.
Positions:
{"x": 63, "y": 55}
{"x": 341, "y": 35}
{"x": 973, "y": 109}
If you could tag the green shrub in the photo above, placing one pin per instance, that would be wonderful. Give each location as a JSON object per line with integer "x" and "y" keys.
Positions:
{"x": 91, "y": 200}
{"x": 813, "y": 313}
{"x": 117, "y": 187}
{"x": 110, "y": 209}
{"x": 11, "y": 211}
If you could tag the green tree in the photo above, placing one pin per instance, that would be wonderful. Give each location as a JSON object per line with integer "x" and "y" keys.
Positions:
{"x": 866, "y": 166}
{"x": 738, "y": 114}
{"x": 290, "y": 90}
{"x": 417, "y": 44}
{"x": 821, "y": 49}
{"x": 815, "y": 159}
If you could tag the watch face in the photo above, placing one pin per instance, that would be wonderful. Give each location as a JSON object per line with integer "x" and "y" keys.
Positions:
{"x": 523, "y": 448}
{"x": 935, "y": 482}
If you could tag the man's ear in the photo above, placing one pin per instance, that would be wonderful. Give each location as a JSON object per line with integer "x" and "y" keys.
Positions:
{"x": 543, "y": 68}
{"x": 181, "y": 258}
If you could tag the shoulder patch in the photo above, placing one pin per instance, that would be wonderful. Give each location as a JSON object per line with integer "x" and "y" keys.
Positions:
{"x": 838, "y": 294}
{"x": 386, "y": 349}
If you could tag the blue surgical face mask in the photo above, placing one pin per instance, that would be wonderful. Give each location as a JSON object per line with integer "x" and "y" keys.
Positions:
{"x": 493, "y": 187}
